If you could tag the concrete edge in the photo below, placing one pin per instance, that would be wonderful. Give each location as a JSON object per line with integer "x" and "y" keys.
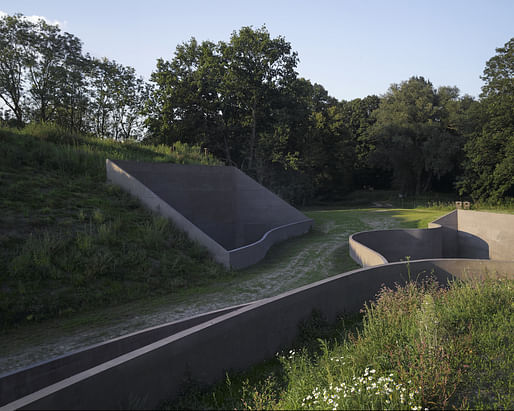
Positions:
{"x": 253, "y": 253}
{"x": 77, "y": 361}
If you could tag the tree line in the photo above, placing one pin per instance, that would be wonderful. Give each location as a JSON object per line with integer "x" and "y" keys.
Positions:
{"x": 243, "y": 100}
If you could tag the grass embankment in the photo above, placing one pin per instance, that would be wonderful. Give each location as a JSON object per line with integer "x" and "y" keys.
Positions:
{"x": 420, "y": 346}
{"x": 69, "y": 241}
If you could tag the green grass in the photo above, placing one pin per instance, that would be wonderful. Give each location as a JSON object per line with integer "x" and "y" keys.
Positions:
{"x": 69, "y": 241}
{"x": 418, "y": 346}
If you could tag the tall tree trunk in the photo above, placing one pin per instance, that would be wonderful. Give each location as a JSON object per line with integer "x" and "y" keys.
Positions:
{"x": 418, "y": 181}
{"x": 428, "y": 183}
{"x": 252, "y": 138}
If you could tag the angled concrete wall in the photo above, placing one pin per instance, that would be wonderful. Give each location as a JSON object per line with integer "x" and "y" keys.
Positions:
{"x": 487, "y": 235}
{"x": 233, "y": 216}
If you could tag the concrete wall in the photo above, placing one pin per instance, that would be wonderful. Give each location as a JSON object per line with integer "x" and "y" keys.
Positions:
{"x": 458, "y": 234}
{"x": 485, "y": 235}
{"x": 396, "y": 245}
{"x": 233, "y": 341}
{"x": 220, "y": 207}
{"x": 122, "y": 178}
{"x": 450, "y": 241}
{"x": 141, "y": 370}
{"x": 25, "y": 381}
{"x": 253, "y": 253}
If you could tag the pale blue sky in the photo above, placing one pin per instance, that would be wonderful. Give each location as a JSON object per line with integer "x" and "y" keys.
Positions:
{"x": 353, "y": 48}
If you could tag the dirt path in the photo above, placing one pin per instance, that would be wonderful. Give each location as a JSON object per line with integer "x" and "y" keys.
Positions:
{"x": 320, "y": 254}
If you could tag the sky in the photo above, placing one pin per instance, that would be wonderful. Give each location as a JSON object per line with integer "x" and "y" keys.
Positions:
{"x": 352, "y": 48}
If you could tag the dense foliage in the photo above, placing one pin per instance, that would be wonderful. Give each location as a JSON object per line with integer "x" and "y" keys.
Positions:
{"x": 243, "y": 100}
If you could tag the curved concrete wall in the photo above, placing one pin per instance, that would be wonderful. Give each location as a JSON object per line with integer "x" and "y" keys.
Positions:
{"x": 459, "y": 234}
{"x": 141, "y": 370}
{"x": 232, "y": 341}
{"x": 219, "y": 207}
{"x": 253, "y": 253}
{"x": 396, "y": 245}
{"x": 490, "y": 235}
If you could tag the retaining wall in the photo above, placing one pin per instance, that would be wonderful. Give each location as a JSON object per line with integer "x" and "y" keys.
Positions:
{"x": 143, "y": 369}
{"x": 223, "y": 209}
{"x": 233, "y": 341}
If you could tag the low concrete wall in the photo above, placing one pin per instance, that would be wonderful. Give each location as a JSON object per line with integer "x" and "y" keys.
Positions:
{"x": 458, "y": 234}
{"x": 141, "y": 370}
{"x": 25, "y": 381}
{"x": 372, "y": 247}
{"x": 364, "y": 255}
{"x": 219, "y": 207}
{"x": 253, "y": 253}
{"x": 233, "y": 341}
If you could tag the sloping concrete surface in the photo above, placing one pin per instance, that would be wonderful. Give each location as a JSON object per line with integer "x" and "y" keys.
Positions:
{"x": 220, "y": 207}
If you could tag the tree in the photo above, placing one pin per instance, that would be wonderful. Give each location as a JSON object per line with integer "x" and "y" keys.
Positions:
{"x": 52, "y": 53}
{"x": 15, "y": 55}
{"x": 412, "y": 134}
{"x": 257, "y": 68}
{"x": 117, "y": 99}
{"x": 223, "y": 95}
{"x": 358, "y": 117}
{"x": 490, "y": 150}
{"x": 186, "y": 101}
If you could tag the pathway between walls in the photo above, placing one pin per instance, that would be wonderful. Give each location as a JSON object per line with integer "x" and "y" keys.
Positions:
{"x": 312, "y": 261}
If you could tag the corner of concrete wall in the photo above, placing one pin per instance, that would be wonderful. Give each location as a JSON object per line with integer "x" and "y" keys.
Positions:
{"x": 486, "y": 235}
{"x": 450, "y": 239}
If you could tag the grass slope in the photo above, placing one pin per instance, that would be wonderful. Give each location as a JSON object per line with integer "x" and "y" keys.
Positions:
{"x": 69, "y": 241}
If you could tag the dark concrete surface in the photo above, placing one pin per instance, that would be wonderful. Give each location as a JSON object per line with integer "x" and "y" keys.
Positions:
{"x": 16, "y": 384}
{"x": 220, "y": 207}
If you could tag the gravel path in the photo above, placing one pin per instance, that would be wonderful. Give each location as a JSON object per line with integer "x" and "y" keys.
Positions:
{"x": 311, "y": 258}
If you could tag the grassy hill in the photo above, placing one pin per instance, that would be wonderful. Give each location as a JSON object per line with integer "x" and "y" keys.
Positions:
{"x": 69, "y": 241}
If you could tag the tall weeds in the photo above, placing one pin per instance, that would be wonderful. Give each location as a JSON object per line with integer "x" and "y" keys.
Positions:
{"x": 420, "y": 346}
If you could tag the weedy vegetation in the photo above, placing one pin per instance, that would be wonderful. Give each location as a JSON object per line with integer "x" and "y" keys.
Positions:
{"x": 69, "y": 241}
{"x": 419, "y": 346}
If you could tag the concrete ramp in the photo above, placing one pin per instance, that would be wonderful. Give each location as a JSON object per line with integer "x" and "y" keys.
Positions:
{"x": 229, "y": 213}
